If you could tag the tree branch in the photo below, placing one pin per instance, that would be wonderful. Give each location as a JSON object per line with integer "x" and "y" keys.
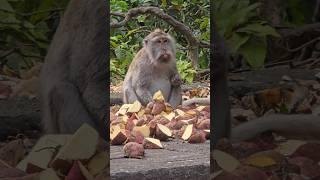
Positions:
{"x": 193, "y": 42}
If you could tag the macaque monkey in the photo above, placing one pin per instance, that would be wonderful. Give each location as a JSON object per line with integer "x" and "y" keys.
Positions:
{"x": 74, "y": 75}
{"x": 152, "y": 69}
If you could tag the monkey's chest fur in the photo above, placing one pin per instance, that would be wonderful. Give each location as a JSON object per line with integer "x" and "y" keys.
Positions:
{"x": 161, "y": 83}
{"x": 145, "y": 82}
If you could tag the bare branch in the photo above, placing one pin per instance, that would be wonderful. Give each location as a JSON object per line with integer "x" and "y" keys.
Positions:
{"x": 118, "y": 14}
{"x": 304, "y": 45}
{"x": 204, "y": 44}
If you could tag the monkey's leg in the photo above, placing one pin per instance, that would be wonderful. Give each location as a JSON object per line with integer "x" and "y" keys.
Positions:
{"x": 175, "y": 96}
{"x": 49, "y": 123}
{"x": 67, "y": 109}
{"x": 129, "y": 95}
{"x": 144, "y": 95}
{"x": 96, "y": 99}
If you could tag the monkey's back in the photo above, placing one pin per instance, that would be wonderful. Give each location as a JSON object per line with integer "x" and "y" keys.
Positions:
{"x": 78, "y": 56}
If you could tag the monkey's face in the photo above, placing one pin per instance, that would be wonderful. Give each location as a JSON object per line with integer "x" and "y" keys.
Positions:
{"x": 161, "y": 48}
{"x": 163, "y": 52}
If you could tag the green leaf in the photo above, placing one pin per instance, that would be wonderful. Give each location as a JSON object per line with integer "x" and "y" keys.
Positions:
{"x": 226, "y": 5}
{"x": 5, "y": 5}
{"x": 254, "y": 51}
{"x": 186, "y": 70}
{"x": 237, "y": 40}
{"x": 164, "y": 3}
{"x": 259, "y": 30}
{"x": 239, "y": 17}
{"x": 113, "y": 44}
{"x": 7, "y": 17}
{"x": 141, "y": 18}
{"x": 204, "y": 23}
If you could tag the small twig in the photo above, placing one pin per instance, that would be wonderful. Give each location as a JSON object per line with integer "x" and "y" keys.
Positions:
{"x": 4, "y": 77}
{"x": 314, "y": 63}
{"x": 118, "y": 14}
{"x": 7, "y": 53}
{"x": 45, "y": 148}
{"x": 278, "y": 63}
{"x": 302, "y": 63}
{"x": 303, "y": 45}
{"x": 180, "y": 27}
{"x": 204, "y": 44}
{"x": 203, "y": 71}
{"x": 30, "y": 56}
{"x": 265, "y": 66}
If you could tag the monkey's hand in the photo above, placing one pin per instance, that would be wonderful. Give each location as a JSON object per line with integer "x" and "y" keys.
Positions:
{"x": 176, "y": 80}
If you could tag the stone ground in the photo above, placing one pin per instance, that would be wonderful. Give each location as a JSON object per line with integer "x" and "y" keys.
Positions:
{"x": 178, "y": 161}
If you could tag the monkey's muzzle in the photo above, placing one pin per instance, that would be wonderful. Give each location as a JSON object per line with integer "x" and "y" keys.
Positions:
{"x": 164, "y": 57}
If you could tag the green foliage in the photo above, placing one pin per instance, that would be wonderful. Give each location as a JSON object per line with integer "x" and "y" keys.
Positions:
{"x": 245, "y": 33}
{"x": 116, "y": 71}
{"x": 299, "y": 12}
{"x": 126, "y": 41}
{"x": 26, "y": 30}
{"x": 186, "y": 71}
{"x": 295, "y": 12}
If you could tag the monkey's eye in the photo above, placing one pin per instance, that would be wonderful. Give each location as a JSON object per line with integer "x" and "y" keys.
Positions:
{"x": 165, "y": 40}
{"x": 159, "y": 41}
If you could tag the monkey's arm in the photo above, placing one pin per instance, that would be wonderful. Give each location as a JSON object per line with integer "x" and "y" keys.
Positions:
{"x": 174, "y": 76}
{"x": 306, "y": 126}
{"x": 175, "y": 96}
